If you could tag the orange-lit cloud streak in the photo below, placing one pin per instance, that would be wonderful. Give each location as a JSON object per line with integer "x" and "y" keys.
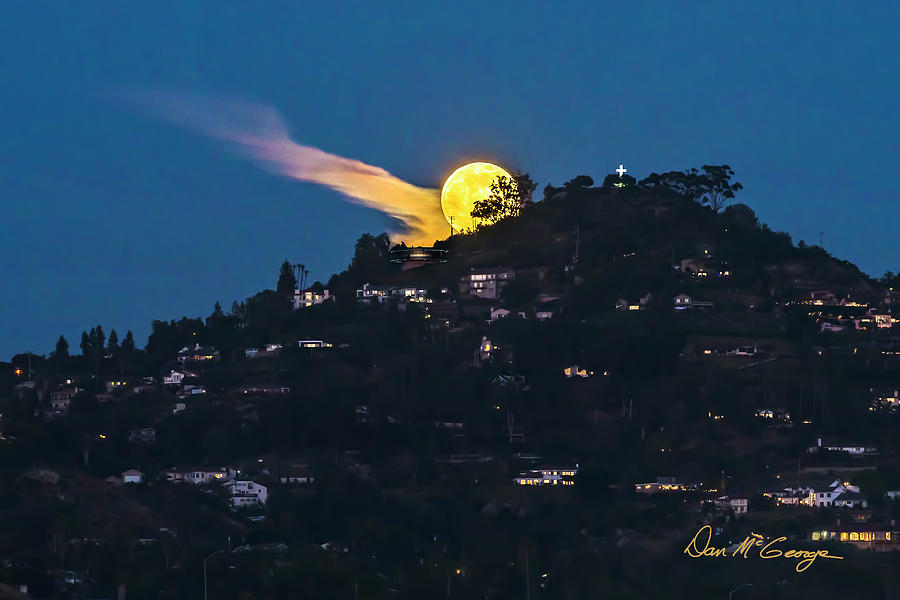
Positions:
{"x": 259, "y": 133}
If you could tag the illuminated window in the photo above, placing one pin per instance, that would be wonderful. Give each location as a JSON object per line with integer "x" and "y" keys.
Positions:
{"x": 854, "y": 537}
{"x": 815, "y": 535}
{"x": 844, "y": 536}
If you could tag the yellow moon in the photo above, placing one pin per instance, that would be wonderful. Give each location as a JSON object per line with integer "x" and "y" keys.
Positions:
{"x": 465, "y": 185}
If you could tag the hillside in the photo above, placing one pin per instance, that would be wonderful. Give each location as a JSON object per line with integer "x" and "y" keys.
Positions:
{"x": 413, "y": 430}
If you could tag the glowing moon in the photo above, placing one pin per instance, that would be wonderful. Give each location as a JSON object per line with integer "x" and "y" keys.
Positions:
{"x": 465, "y": 185}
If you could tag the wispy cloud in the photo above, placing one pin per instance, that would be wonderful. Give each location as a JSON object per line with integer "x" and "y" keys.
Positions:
{"x": 259, "y": 133}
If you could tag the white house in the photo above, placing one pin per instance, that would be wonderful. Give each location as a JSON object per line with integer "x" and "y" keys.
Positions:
{"x": 737, "y": 504}
{"x": 199, "y": 475}
{"x": 246, "y": 493}
{"x": 498, "y": 313}
{"x": 132, "y": 476}
{"x": 313, "y": 344}
{"x": 373, "y": 293}
{"x": 176, "y": 376}
{"x": 852, "y": 448}
{"x": 486, "y": 283}
{"x": 310, "y": 297}
{"x": 548, "y": 476}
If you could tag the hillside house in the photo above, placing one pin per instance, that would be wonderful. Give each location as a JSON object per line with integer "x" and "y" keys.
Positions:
{"x": 485, "y": 283}
{"x": 683, "y": 301}
{"x": 665, "y": 485}
{"x": 738, "y": 504}
{"x": 265, "y": 390}
{"x": 774, "y": 416}
{"x": 497, "y": 314}
{"x": 294, "y": 474}
{"x": 310, "y": 297}
{"x": 61, "y": 397}
{"x": 244, "y": 493}
{"x": 563, "y": 476}
{"x": 851, "y": 448}
{"x": 197, "y": 354}
{"x": 865, "y": 536}
{"x": 199, "y": 475}
{"x": 176, "y": 376}
{"x": 576, "y": 371}
{"x": 641, "y": 304}
{"x": 313, "y": 344}
{"x": 115, "y": 384}
{"x": 132, "y": 476}
{"x": 374, "y": 294}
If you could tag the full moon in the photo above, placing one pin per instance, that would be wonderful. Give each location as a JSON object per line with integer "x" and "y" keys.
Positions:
{"x": 464, "y": 187}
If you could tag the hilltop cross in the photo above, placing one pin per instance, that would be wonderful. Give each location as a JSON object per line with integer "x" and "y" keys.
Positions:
{"x": 621, "y": 170}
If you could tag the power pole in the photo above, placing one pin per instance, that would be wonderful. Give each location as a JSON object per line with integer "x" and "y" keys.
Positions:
{"x": 451, "y": 226}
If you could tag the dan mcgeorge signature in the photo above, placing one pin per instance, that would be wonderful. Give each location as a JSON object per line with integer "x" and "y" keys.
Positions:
{"x": 768, "y": 550}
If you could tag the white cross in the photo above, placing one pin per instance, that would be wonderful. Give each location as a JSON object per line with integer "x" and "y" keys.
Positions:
{"x": 621, "y": 170}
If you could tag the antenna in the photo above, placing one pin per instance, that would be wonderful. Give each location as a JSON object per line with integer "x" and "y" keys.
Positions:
{"x": 821, "y": 240}
{"x": 451, "y": 226}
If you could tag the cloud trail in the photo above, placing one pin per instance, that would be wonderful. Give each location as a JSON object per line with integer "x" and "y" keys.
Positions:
{"x": 259, "y": 133}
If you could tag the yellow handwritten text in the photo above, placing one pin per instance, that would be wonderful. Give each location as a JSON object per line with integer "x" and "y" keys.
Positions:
{"x": 700, "y": 545}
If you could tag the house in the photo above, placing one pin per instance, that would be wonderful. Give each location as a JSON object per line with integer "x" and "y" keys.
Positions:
{"x": 683, "y": 301}
{"x": 485, "y": 283}
{"x": 132, "y": 476}
{"x": 830, "y": 494}
{"x": 642, "y": 303}
{"x": 62, "y": 397}
{"x": 851, "y": 448}
{"x": 178, "y": 407}
{"x": 115, "y": 384}
{"x": 576, "y": 371}
{"x": 548, "y": 476}
{"x": 774, "y": 415}
{"x": 498, "y": 313}
{"x": 251, "y": 352}
{"x": 295, "y": 474}
{"x": 665, "y": 484}
{"x": 191, "y": 390}
{"x": 865, "y": 536}
{"x": 313, "y": 344}
{"x": 410, "y": 293}
{"x": 246, "y": 493}
{"x": 738, "y": 504}
{"x": 310, "y": 297}
{"x": 546, "y": 310}
{"x": 822, "y": 297}
{"x": 374, "y": 294}
{"x": 197, "y": 354}
{"x": 199, "y": 475}
{"x": 265, "y": 390}
{"x": 850, "y": 499}
{"x": 176, "y": 376}
{"x": 516, "y": 382}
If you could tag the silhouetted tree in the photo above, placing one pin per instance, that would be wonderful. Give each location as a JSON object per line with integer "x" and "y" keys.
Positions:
{"x": 112, "y": 346}
{"x": 128, "y": 343}
{"x": 62, "y": 349}
{"x": 506, "y": 200}
{"x": 287, "y": 282}
{"x": 711, "y": 185}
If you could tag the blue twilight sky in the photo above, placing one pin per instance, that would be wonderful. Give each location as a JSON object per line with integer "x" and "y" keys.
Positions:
{"x": 115, "y": 218}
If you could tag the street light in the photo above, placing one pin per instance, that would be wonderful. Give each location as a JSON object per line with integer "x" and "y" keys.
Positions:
{"x": 743, "y": 585}
{"x": 204, "y": 570}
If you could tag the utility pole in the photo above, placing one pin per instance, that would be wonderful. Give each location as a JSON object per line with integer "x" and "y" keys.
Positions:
{"x": 451, "y": 225}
